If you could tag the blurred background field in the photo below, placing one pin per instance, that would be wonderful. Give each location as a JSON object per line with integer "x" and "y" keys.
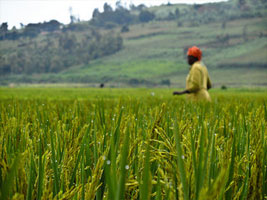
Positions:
{"x": 81, "y": 93}
{"x": 142, "y": 46}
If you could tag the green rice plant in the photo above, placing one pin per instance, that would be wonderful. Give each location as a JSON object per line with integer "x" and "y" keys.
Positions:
{"x": 82, "y": 178}
{"x": 264, "y": 190}
{"x": 228, "y": 194}
{"x": 7, "y": 182}
{"x": 30, "y": 179}
{"x": 158, "y": 194}
{"x": 55, "y": 166}
{"x": 181, "y": 156}
{"x": 41, "y": 165}
{"x": 123, "y": 167}
{"x": 80, "y": 155}
{"x": 145, "y": 184}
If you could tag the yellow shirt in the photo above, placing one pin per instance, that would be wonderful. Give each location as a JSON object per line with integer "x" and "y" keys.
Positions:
{"x": 197, "y": 82}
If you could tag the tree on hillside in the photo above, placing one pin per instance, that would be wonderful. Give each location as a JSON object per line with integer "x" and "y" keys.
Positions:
{"x": 3, "y": 30}
{"x": 132, "y": 6}
{"x": 4, "y": 27}
{"x": 4, "y": 68}
{"x": 146, "y": 16}
{"x": 96, "y": 13}
{"x": 245, "y": 37}
{"x": 141, "y": 7}
{"x": 12, "y": 35}
{"x": 125, "y": 28}
{"x": 31, "y": 30}
{"x": 110, "y": 18}
{"x": 177, "y": 13}
{"x": 138, "y": 8}
{"x": 122, "y": 16}
{"x": 119, "y": 5}
{"x": 196, "y": 6}
{"x": 56, "y": 64}
{"x": 224, "y": 24}
{"x": 107, "y": 8}
{"x": 241, "y": 3}
{"x": 68, "y": 42}
{"x": 57, "y": 52}
{"x": 73, "y": 18}
{"x": 171, "y": 16}
{"x": 51, "y": 26}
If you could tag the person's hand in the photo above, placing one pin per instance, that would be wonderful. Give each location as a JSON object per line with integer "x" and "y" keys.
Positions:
{"x": 180, "y": 93}
{"x": 176, "y": 93}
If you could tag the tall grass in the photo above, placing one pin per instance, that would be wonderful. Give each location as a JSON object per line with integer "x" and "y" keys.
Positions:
{"x": 133, "y": 148}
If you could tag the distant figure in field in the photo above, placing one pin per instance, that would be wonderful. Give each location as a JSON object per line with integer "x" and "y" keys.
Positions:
{"x": 102, "y": 85}
{"x": 198, "y": 81}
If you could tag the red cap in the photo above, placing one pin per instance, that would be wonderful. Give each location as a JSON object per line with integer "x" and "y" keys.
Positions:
{"x": 195, "y": 51}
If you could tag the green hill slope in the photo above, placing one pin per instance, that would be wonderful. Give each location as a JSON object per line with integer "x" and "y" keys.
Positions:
{"x": 156, "y": 51}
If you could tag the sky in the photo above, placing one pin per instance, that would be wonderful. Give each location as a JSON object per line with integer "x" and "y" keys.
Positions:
{"x": 34, "y": 11}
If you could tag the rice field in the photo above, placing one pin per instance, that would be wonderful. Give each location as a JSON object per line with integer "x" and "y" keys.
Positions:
{"x": 132, "y": 144}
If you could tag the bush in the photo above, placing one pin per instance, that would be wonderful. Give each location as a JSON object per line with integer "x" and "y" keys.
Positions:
{"x": 134, "y": 81}
{"x": 125, "y": 28}
{"x": 224, "y": 87}
{"x": 110, "y": 25}
{"x": 166, "y": 82}
{"x": 146, "y": 16}
{"x": 180, "y": 24}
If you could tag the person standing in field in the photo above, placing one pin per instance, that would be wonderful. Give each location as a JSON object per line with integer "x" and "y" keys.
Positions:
{"x": 198, "y": 81}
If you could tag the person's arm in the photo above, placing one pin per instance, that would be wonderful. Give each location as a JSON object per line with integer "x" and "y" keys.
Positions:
{"x": 181, "y": 93}
{"x": 209, "y": 85}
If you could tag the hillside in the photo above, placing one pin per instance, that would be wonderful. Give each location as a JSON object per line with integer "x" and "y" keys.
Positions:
{"x": 153, "y": 53}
